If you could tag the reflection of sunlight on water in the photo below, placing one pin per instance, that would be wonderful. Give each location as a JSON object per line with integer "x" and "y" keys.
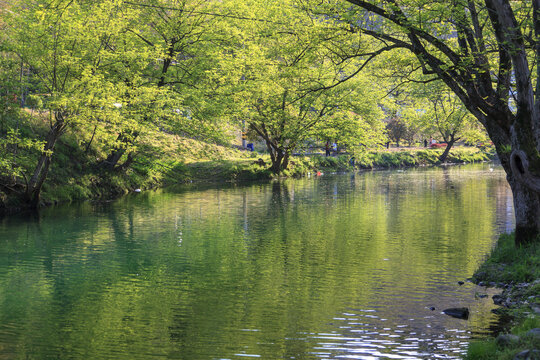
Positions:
{"x": 365, "y": 340}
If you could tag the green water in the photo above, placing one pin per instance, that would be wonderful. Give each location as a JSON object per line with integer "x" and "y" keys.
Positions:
{"x": 340, "y": 266}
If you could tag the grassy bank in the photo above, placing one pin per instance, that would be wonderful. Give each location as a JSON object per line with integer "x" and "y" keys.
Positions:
{"x": 420, "y": 157}
{"x": 517, "y": 271}
{"x": 162, "y": 159}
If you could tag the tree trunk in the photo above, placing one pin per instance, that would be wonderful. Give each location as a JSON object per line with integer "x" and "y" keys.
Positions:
{"x": 277, "y": 161}
{"x": 279, "y": 158}
{"x": 526, "y": 210}
{"x": 285, "y": 162}
{"x": 114, "y": 157}
{"x": 128, "y": 162}
{"x": 444, "y": 155}
{"x": 33, "y": 188}
{"x": 526, "y": 197}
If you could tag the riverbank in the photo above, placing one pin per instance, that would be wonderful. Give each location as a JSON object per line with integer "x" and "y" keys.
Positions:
{"x": 517, "y": 272}
{"x": 77, "y": 172}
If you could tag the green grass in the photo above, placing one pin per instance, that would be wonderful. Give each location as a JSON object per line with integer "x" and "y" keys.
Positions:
{"x": 481, "y": 350}
{"x": 508, "y": 263}
{"x": 163, "y": 159}
{"x": 415, "y": 157}
{"x": 511, "y": 265}
{"x": 490, "y": 350}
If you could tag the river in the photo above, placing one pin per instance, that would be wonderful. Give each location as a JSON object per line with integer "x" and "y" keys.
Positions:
{"x": 343, "y": 266}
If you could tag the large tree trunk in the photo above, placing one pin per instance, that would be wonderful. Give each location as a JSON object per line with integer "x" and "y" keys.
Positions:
{"x": 279, "y": 158}
{"x": 277, "y": 161}
{"x": 33, "y": 188}
{"x": 524, "y": 186}
{"x": 285, "y": 162}
{"x": 527, "y": 211}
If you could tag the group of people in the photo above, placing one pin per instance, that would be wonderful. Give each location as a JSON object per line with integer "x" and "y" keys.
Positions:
{"x": 330, "y": 147}
{"x": 431, "y": 142}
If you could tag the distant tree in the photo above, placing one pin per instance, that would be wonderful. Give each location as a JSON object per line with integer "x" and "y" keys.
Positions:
{"x": 450, "y": 118}
{"x": 396, "y": 129}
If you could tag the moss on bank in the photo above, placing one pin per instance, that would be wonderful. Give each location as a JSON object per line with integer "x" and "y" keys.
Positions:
{"x": 517, "y": 271}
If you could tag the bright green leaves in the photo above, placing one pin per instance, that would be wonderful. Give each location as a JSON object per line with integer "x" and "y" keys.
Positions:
{"x": 289, "y": 78}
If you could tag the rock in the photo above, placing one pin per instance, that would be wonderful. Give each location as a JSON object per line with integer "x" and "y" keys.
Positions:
{"x": 460, "y": 313}
{"x": 432, "y": 308}
{"x": 498, "y": 299}
{"x": 483, "y": 296}
{"x": 481, "y": 283}
{"x": 492, "y": 284}
{"x": 507, "y": 340}
{"x": 533, "y": 333}
{"x": 528, "y": 355}
{"x": 460, "y": 283}
{"x": 536, "y": 310}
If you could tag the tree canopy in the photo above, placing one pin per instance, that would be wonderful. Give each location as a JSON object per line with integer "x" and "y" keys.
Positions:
{"x": 293, "y": 72}
{"x": 486, "y": 52}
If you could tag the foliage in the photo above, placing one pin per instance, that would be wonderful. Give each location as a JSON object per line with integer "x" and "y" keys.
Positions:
{"x": 396, "y": 129}
{"x": 482, "y": 52}
{"x": 287, "y": 86}
{"x": 383, "y": 159}
{"x": 149, "y": 69}
{"x": 481, "y": 350}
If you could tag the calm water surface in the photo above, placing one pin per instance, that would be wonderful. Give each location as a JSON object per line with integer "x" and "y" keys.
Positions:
{"x": 341, "y": 266}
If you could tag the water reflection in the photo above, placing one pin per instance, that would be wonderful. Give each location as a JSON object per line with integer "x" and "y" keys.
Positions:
{"x": 345, "y": 266}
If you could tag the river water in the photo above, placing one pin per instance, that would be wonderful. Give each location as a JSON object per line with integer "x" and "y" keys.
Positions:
{"x": 333, "y": 267}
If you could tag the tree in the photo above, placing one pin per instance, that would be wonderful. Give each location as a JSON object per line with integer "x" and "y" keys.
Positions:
{"x": 433, "y": 108}
{"x": 286, "y": 75}
{"x": 185, "y": 38}
{"x": 396, "y": 129}
{"x": 355, "y": 130}
{"x": 450, "y": 119}
{"x": 72, "y": 50}
{"x": 486, "y": 52}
